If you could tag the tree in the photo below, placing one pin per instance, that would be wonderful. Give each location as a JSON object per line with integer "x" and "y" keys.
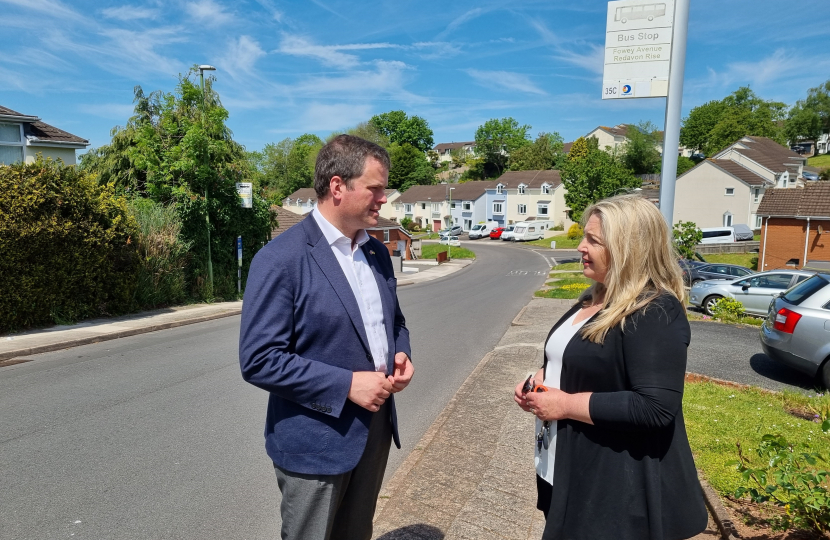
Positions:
{"x": 684, "y": 164}
{"x": 287, "y": 166}
{"x": 497, "y": 139}
{"x": 715, "y": 125}
{"x": 409, "y": 167}
{"x": 364, "y": 130}
{"x": 811, "y": 116}
{"x": 402, "y": 129}
{"x": 686, "y": 237}
{"x": 639, "y": 153}
{"x": 544, "y": 153}
{"x": 589, "y": 177}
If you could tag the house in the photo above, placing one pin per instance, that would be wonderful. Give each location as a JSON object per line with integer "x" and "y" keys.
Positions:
{"x": 531, "y": 195}
{"x": 796, "y": 227}
{"x": 23, "y": 137}
{"x": 439, "y": 206}
{"x": 616, "y": 136}
{"x": 303, "y": 200}
{"x": 285, "y": 220}
{"x": 444, "y": 150}
{"x": 728, "y": 188}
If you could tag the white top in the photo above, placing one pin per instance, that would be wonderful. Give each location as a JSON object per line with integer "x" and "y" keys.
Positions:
{"x": 362, "y": 282}
{"x": 554, "y": 349}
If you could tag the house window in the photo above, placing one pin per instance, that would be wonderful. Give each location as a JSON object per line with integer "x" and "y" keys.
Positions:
{"x": 497, "y": 208}
{"x": 385, "y": 235}
{"x": 756, "y": 195}
{"x": 545, "y": 189}
{"x": 407, "y": 208}
{"x": 11, "y": 143}
{"x": 758, "y": 222}
{"x": 541, "y": 209}
{"x": 727, "y": 219}
{"x": 299, "y": 202}
{"x": 730, "y": 191}
{"x": 523, "y": 209}
{"x": 499, "y": 189}
{"x": 452, "y": 205}
{"x": 436, "y": 207}
{"x": 522, "y": 189}
{"x": 423, "y": 206}
{"x": 467, "y": 205}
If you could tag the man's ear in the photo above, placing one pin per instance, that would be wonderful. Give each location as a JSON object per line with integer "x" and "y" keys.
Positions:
{"x": 336, "y": 187}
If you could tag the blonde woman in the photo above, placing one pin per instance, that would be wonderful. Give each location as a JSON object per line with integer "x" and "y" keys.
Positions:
{"x": 612, "y": 456}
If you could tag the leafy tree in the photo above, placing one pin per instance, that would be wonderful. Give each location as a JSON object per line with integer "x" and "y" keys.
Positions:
{"x": 686, "y": 237}
{"x": 639, "y": 153}
{"x": 810, "y": 116}
{"x": 824, "y": 174}
{"x": 713, "y": 126}
{"x": 409, "y": 167}
{"x": 684, "y": 164}
{"x": 497, "y": 139}
{"x": 589, "y": 177}
{"x": 287, "y": 166}
{"x": 176, "y": 149}
{"x": 364, "y": 130}
{"x": 544, "y": 153}
{"x": 402, "y": 129}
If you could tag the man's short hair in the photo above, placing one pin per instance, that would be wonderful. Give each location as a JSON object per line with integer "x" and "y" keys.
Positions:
{"x": 345, "y": 156}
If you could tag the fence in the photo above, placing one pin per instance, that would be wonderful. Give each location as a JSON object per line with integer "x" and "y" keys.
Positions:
{"x": 751, "y": 246}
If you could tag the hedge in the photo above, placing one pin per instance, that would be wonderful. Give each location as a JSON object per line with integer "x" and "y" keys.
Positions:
{"x": 67, "y": 249}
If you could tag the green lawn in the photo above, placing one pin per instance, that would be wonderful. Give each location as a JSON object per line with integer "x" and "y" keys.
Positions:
{"x": 819, "y": 161}
{"x": 562, "y": 242}
{"x": 430, "y": 251}
{"x": 569, "y": 266}
{"x": 719, "y": 416}
{"x": 749, "y": 260}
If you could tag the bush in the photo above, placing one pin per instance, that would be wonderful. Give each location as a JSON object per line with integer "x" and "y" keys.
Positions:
{"x": 163, "y": 255}
{"x": 686, "y": 237}
{"x": 68, "y": 247}
{"x": 406, "y": 223}
{"x": 728, "y": 310}
{"x": 575, "y": 231}
{"x": 559, "y": 227}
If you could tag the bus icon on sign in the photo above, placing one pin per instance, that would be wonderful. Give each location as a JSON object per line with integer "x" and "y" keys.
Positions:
{"x": 643, "y": 11}
{"x": 626, "y": 90}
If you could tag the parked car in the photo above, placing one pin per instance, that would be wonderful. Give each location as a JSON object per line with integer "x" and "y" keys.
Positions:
{"x": 495, "y": 234}
{"x": 507, "y": 233}
{"x": 718, "y": 235}
{"x": 455, "y": 230}
{"x": 754, "y": 291}
{"x": 796, "y": 331}
{"x": 480, "y": 230}
{"x": 449, "y": 240}
{"x": 704, "y": 271}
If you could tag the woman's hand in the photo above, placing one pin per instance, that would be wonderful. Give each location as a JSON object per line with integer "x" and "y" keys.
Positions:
{"x": 519, "y": 396}
{"x": 558, "y": 405}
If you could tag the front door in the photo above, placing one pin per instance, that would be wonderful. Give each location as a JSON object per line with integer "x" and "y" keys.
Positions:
{"x": 436, "y": 225}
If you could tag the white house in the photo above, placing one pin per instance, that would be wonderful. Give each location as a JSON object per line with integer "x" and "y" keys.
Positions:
{"x": 444, "y": 150}
{"x": 438, "y": 206}
{"x": 616, "y": 136}
{"x": 534, "y": 195}
{"x": 23, "y": 137}
{"x": 303, "y": 200}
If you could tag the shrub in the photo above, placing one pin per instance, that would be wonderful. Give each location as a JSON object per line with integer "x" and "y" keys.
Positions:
{"x": 406, "y": 222}
{"x": 728, "y": 309}
{"x": 68, "y": 247}
{"x": 686, "y": 237}
{"x": 163, "y": 255}
{"x": 575, "y": 231}
{"x": 559, "y": 227}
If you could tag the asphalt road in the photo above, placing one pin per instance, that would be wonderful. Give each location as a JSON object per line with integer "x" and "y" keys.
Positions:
{"x": 157, "y": 436}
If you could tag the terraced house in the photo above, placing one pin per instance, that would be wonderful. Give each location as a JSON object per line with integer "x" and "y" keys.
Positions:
{"x": 439, "y": 206}
{"x": 23, "y": 137}
{"x": 532, "y": 196}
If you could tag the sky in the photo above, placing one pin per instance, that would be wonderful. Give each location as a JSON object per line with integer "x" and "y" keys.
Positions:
{"x": 285, "y": 68}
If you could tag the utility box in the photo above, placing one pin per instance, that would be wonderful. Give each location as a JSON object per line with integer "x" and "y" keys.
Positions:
{"x": 553, "y": 244}
{"x": 397, "y": 263}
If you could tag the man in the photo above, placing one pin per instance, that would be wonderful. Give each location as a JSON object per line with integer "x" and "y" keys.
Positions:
{"x": 323, "y": 333}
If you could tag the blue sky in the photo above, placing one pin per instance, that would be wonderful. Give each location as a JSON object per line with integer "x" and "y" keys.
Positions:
{"x": 285, "y": 68}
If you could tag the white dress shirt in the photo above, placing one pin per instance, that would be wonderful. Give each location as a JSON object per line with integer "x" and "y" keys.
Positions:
{"x": 361, "y": 279}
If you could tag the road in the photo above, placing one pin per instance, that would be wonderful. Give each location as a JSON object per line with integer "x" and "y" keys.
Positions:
{"x": 157, "y": 436}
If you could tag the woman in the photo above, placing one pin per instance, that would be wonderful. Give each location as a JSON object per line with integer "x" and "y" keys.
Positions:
{"x": 612, "y": 457}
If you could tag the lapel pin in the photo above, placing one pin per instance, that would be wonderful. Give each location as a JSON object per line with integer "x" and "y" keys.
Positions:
{"x": 371, "y": 252}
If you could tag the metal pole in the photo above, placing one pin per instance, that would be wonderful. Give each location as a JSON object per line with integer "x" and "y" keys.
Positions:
{"x": 449, "y": 228}
{"x": 671, "y": 135}
{"x": 207, "y": 206}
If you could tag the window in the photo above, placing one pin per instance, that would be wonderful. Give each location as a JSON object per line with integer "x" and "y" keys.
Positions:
{"x": 545, "y": 189}
{"x": 385, "y": 235}
{"x": 11, "y": 143}
{"x": 727, "y": 219}
{"x": 497, "y": 208}
{"x": 756, "y": 194}
{"x": 499, "y": 189}
{"x": 541, "y": 209}
{"x": 730, "y": 191}
{"x": 523, "y": 209}
{"x": 423, "y": 206}
{"x": 768, "y": 281}
{"x": 805, "y": 290}
{"x": 467, "y": 205}
{"x": 452, "y": 205}
{"x": 758, "y": 222}
{"x": 436, "y": 207}
{"x": 407, "y": 208}
{"x": 521, "y": 189}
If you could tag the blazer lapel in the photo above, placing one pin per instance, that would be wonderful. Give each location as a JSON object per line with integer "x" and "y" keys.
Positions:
{"x": 386, "y": 300}
{"x": 323, "y": 255}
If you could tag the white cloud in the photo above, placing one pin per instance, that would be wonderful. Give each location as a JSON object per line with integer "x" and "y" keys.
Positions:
{"x": 129, "y": 13}
{"x": 329, "y": 117}
{"x": 505, "y": 80}
{"x": 386, "y": 80}
{"x": 112, "y": 111}
{"x": 433, "y": 50}
{"x": 208, "y": 13}
{"x": 330, "y": 55}
{"x": 241, "y": 56}
{"x": 52, "y": 8}
{"x": 592, "y": 60}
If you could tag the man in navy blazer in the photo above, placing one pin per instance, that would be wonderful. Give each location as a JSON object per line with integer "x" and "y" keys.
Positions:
{"x": 323, "y": 333}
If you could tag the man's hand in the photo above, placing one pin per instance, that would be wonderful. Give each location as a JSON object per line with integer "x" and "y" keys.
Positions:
{"x": 369, "y": 389}
{"x": 402, "y": 373}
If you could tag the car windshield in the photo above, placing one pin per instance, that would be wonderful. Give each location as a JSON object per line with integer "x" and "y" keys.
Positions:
{"x": 805, "y": 290}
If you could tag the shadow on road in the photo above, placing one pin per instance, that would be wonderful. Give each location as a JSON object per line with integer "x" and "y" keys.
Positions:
{"x": 767, "y": 367}
{"x": 419, "y": 531}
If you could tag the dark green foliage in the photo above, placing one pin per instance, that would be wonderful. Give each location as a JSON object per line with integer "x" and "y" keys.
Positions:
{"x": 287, "y": 166}
{"x": 402, "y": 129}
{"x": 68, "y": 247}
{"x": 639, "y": 153}
{"x": 543, "y": 154}
{"x": 409, "y": 167}
{"x": 497, "y": 139}
{"x": 593, "y": 175}
{"x": 684, "y": 164}
{"x": 810, "y": 116}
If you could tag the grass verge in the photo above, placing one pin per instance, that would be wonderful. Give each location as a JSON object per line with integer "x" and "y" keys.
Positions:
{"x": 749, "y": 260}
{"x": 819, "y": 161}
{"x": 562, "y": 242}
{"x": 430, "y": 251}
{"x": 568, "y": 266}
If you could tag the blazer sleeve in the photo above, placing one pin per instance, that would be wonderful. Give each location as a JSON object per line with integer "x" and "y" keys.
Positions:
{"x": 266, "y": 337}
{"x": 654, "y": 345}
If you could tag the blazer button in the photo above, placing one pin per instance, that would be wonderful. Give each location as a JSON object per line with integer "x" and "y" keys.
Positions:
{"x": 328, "y": 409}
{"x": 369, "y": 358}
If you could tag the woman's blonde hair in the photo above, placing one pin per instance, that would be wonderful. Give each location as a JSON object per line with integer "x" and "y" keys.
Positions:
{"x": 640, "y": 258}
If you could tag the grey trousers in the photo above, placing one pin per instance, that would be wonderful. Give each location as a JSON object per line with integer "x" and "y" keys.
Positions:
{"x": 340, "y": 506}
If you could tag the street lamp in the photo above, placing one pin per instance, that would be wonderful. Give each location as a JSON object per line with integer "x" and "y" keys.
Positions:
{"x": 449, "y": 228}
{"x": 202, "y": 69}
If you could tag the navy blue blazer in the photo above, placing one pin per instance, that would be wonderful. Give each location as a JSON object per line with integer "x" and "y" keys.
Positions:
{"x": 302, "y": 337}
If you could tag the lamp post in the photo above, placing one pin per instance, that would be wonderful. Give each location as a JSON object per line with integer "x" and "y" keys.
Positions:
{"x": 202, "y": 69}
{"x": 449, "y": 228}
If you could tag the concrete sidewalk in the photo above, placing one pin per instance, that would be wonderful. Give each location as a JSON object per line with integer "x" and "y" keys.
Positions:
{"x": 95, "y": 330}
{"x": 471, "y": 476}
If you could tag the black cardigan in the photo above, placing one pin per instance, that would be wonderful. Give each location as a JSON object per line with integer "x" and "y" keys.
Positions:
{"x": 630, "y": 475}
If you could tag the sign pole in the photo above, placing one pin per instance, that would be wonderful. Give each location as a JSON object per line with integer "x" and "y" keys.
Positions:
{"x": 671, "y": 133}
{"x": 239, "y": 265}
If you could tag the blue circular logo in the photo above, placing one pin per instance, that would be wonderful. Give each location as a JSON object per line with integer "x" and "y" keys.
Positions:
{"x": 626, "y": 89}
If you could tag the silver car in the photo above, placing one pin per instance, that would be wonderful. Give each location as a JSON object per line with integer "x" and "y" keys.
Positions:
{"x": 796, "y": 331}
{"x": 754, "y": 292}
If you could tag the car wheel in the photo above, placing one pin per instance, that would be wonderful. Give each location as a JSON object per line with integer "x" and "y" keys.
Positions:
{"x": 709, "y": 303}
{"x": 825, "y": 374}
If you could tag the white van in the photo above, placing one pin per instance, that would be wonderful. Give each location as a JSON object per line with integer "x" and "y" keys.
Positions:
{"x": 718, "y": 235}
{"x": 481, "y": 230}
{"x": 531, "y": 230}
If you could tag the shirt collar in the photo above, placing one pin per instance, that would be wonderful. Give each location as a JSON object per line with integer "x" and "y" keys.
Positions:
{"x": 333, "y": 234}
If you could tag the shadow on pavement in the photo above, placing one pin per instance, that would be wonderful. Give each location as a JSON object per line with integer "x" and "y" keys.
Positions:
{"x": 419, "y": 531}
{"x": 767, "y": 367}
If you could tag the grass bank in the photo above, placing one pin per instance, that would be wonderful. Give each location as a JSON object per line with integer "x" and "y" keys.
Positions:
{"x": 430, "y": 251}
{"x": 565, "y": 284}
{"x": 562, "y": 242}
{"x": 749, "y": 260}
{"x": 819, "y": 161}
